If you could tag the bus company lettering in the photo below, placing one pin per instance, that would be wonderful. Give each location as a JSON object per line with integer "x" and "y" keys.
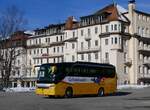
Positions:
{"x": 73, "y": 79}
{"x": 77, "y": 79}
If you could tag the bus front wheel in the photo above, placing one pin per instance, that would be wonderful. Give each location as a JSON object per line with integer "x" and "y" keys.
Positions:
{"x": 100, "y": 92}
{"x": 69, "y": 92}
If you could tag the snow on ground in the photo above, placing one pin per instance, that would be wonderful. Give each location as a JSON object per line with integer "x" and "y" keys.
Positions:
{"x": 132, "y": 86}
{"x": 19, "y": 89}
{"x": 25, "y": 89}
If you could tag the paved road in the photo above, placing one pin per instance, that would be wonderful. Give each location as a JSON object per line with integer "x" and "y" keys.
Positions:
{"x": 124, "y": 100}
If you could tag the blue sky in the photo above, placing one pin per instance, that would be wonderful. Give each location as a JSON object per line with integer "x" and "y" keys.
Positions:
{"x": 40, "y": 13}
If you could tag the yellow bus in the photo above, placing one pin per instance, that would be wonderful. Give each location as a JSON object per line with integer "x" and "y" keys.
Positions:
{"x": 78, "y": 78}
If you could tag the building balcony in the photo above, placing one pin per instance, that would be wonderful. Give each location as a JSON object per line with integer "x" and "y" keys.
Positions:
{"x": 128, "y": 62}
{"x": 87, "y": 37}
{"x": 88, "y": 50}
{"x": 147, "y": 63}
{"x": 140, "y": 61}
{"x": 56, "y": 55}
{"x": 57, "y": 43}
{"x": 49, "y": 55}
{"x": 144, "y": 50}
{"x": 72, "y": 39}
{"x": 45, "y": 44}
{"x": 34, "y": 46}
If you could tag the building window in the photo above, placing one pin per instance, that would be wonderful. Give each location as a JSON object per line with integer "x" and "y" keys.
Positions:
{"x": 82, "y": 57}
{"x": 39, "y": 41}
{"x": 81, "y": 45}
{"x": 96, "y": 30}
{"x": 106, "y": 41}
{"x": 66, "y": 34}
{"x": 61, "y": 38}
{"x": 41, "y": 51}
{"x": 89, "y": 32}
{"x": 112, "y": 40}
{"x": 96, "y": 56}
{"x": 57, "y": 49}
{"x": 73, "y": 45}
{"x": 146, "y": 31}
{"x": 18, "y": 73}
{"x": 54, "y": 49}
{"x": 30, "y": 62}
{"x": 107, "y": 30}
{"x": 73, "y": 34}
{"x": 49, "y": 40}
{"x": 139, "y": 30}
{"x": 89, "y": 44}
{"x": 46, "y": 40}
{"x": 37, "y": 51}
{"x": 34, "y": 51}
{"x": 107, "y": 56}
{"x": 18, "y": 62}
{"x": 66, "y": 45}
{"x": 36, "y": 41}
{"x": 82, "y": 33}
{"x": 119, "y": 27}
{"x": 115, "y": 28}
{"x": 142, "y": 31}
{"x": 139, "y": 69}
{"x": 54, "y": 60}
{"x": 73, "y": 58}
{"x": 89, "y": 57}
{"x": 47, "y": 50}
{"x": 62, "y": 48}
{"x": 30, "y": 52}
{"x": 112, "y": 27}
{"x": 37, "y": 61}
{"x": 119, "y": 40}
{"x": 57, "y": 39}
{"x": 125, "y": 56}
{"x": 115, "y": 40}
{"x": 96, "y": 42}
{"x": 41, "y": 61}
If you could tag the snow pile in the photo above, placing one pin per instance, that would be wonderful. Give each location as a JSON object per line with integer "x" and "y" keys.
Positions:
{"x": 19, "y": 89}
{"x": 132, "y": 86}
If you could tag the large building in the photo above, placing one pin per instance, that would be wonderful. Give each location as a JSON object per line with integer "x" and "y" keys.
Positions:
{"x": 112, "y": 35}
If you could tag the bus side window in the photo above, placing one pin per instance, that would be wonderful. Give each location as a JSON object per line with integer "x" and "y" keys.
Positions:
{"x": 109, "y": 72}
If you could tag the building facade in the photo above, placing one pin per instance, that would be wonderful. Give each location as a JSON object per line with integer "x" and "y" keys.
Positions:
{"x": 112, "y": 35}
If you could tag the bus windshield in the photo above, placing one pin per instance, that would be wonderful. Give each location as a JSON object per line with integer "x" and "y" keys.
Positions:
{"x": 47, "y": 74}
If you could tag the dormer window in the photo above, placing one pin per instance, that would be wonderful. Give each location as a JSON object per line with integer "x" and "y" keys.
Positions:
{"x": 115, "y": 27}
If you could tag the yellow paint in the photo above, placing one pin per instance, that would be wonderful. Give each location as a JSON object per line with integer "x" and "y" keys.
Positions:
{"x": 109, "y": 85}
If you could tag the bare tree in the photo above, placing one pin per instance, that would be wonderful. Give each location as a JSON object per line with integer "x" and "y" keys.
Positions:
{"x": 11, "y": 21}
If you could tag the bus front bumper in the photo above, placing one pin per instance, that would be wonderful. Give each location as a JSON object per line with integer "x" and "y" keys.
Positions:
{"x": 45, "y": 91}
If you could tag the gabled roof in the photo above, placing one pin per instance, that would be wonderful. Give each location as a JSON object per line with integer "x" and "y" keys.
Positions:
{"x": 113, "y": 12}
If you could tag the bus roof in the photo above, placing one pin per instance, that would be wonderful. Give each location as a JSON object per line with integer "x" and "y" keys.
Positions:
{"x": 78, "y": 62}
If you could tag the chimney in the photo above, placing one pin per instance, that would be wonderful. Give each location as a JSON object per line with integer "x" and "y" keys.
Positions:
{"x": 131, "y": 5}
{"x": 69, "y": 23}
{"x": 131, "y": 8}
